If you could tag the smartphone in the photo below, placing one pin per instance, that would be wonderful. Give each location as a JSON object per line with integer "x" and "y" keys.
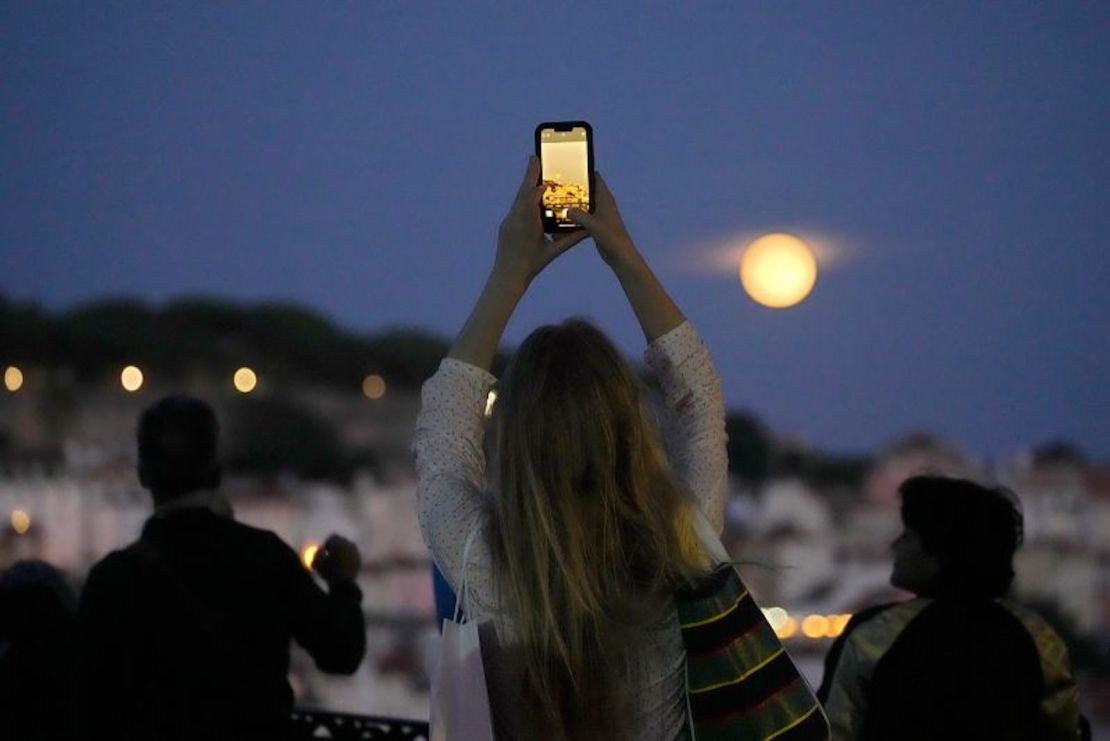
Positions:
{"x": 566, "y": 152}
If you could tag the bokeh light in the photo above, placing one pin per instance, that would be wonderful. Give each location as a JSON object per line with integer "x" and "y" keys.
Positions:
{"x": 778, "y": 270}
{"x": 13, "y": 378}
{"x": 491, "y": 399}
{"x": 373, "y": 386}
{"x": 21, "y": 521}
{"x": 776, "y": 617}
{"x": 787, "y": 629}
{"x": 308, "y": 553}
{"x": 837, "y": 623}
{"x": 815, "y": 626}
{"x": 245, "y": 380}
{"x": 131, "y": 378}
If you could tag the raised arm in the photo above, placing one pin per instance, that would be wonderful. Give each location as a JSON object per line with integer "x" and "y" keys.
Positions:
{"x": 522, "y": 252}
{"x": 450, "y": 463}
{"x": 693, "y": 411}
{"x": 654, "y": 309}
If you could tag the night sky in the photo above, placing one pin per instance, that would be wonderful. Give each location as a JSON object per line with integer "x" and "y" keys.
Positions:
{"x": 950, "y": 160}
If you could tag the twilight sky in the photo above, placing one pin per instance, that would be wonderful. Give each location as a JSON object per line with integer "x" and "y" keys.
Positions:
{"x": 951, "y": 161}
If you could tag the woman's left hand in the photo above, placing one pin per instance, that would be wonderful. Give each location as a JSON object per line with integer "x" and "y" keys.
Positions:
{"x": 523, "y": 250}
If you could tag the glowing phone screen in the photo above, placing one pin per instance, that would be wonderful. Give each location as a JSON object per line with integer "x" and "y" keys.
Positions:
{"x": 566, "y": 171}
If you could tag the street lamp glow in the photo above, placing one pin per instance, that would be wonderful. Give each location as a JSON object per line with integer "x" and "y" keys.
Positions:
{"x": 131, "y": 378}
{"x": 373, "y": 386}
{"x": 778, "y": 270}
{"x": 13, "y": 378}
{"x": 245, "y": 380}
{"x": 21, "y": 521}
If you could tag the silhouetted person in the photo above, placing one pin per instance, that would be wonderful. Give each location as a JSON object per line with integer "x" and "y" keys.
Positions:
{"x": 36, "y": 652}
{"x": 959, "y": 660}
{"x": 185, "y": 634}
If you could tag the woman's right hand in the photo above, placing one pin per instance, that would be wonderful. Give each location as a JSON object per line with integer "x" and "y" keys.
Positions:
{"x": 655, "y": 310}
{"x": 607, "y": 228}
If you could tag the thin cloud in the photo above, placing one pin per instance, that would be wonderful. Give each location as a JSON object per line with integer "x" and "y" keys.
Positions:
{"x": 721, "y": 256}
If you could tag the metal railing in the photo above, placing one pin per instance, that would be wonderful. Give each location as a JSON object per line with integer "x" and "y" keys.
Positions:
{"x": 324, "y": 724}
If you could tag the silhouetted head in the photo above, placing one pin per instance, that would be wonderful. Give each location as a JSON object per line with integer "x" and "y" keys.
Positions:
{"x": 34, "y": 600}
{"x": 177, "y": 448}
{"x": 959, "y": 538}
{"x": 590, "y": 521}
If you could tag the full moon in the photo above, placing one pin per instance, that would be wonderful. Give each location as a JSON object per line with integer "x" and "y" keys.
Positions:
{"x": 778, "y": 270}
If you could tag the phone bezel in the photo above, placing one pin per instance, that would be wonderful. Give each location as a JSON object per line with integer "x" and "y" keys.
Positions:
{"x": 551, "y": 225}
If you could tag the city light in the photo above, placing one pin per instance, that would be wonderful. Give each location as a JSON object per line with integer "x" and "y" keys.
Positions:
{"x": 815, "y": 626}
{"x": 308, "y": 554}
{"x": 13, "y": 378}
{"x": 21, "y": 521}
{"x": 491, "y": 399}
{"x": 776, "y": 617}
{"x": 373, "y": 386}
{"x": 788, "y": 628}
{"x": 245, "y": 380}
{"x": 837, "y": 623}
{"x": 131, "y": 378}
{"x": 812, "y": 626}
{"x": 778, "y": 270}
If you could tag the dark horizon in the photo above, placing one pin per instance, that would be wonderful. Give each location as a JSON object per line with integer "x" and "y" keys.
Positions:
{"x": 404, "y": 355}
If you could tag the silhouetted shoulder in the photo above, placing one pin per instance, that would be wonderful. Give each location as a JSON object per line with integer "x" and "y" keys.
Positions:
{"x": 259, "y": 545}
{"x": 1047, "y": 639}
{"x": 880, "y": 626}
{"x": 1059, "y": 701}
{"x": 264, "y": 538}
{"x": 116, "y": 564}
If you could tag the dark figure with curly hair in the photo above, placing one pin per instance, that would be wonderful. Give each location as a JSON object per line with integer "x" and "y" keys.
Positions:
{"x": 960, "y": 660}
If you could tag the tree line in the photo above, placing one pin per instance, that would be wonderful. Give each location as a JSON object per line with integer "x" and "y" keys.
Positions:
{"x": 291, "y": 344}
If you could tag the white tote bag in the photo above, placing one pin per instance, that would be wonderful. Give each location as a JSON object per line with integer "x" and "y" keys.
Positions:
{"x": 460, "y": 702}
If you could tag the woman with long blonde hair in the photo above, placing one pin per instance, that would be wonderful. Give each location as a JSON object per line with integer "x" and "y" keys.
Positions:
{"x": 583, "y": 525}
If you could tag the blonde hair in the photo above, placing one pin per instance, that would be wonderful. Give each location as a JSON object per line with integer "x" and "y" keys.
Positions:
{"x": 591, "y": 530}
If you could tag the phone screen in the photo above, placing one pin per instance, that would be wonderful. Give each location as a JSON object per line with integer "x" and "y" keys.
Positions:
{"x": 566, "y": 170}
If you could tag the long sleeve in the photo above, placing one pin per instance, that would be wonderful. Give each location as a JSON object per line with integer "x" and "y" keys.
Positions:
{"x": 450, "y": 476}
{"x": 693, "y": 417}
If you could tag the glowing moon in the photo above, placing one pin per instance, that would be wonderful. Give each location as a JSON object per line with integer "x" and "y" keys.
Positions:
{"x": 778, "y": 270}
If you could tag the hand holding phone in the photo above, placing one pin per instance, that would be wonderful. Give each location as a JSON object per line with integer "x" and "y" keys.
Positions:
{"x": 523, "y": 250}
{"x": 606, "y": 227}
{"x": 566, "y": 153}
